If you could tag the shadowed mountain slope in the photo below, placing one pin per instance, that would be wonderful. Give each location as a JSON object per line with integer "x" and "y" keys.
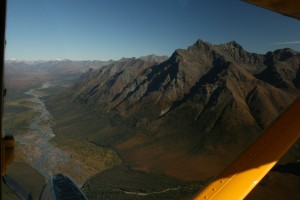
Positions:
{"x": 203, "y": 104}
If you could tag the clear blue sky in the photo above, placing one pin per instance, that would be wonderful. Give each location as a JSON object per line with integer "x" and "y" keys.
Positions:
{"x": 111, "y": 29}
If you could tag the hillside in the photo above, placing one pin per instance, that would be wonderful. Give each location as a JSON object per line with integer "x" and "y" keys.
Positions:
{"x": 204, "y": 103}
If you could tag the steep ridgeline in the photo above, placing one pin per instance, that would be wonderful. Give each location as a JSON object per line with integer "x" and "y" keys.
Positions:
{"x": 208, "y": 100}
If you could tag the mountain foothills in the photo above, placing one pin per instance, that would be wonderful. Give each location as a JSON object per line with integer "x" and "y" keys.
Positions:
{"x": 192, "y": 114}
{"x": 175, "y": 121}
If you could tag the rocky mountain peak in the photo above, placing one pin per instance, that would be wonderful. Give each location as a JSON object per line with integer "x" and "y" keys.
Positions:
{"x": 201, "y": 42}
{"x": 234, "y": 44}
{"x": 284, "y": 54}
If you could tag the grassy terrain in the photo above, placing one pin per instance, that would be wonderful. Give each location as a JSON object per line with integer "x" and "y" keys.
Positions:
{"x": 123, "y": 183}
{"x": 83, "y": 130}
{"x": 17, "y": 113}
{"x": 73, "y": 126}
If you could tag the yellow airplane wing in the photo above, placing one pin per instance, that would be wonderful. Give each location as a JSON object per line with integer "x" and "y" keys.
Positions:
{"x": 238, "y": 179}
{"x": 289, "y": 8}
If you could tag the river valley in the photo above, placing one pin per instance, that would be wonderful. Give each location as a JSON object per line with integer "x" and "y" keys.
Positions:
{"x": 39, "y": 153}
{"x": 96, "y": 168}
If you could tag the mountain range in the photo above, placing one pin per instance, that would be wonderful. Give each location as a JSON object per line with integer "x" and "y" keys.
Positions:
{"x": 204, "y": 103}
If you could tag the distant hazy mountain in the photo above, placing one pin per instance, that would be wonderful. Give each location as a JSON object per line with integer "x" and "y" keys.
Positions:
{"x": 207, "y": 100}
{"x": 25, "y": 74}
{"x": 55, "y": 66}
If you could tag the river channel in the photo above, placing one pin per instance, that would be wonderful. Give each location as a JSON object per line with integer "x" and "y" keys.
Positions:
{"x": 40, "y": 154}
